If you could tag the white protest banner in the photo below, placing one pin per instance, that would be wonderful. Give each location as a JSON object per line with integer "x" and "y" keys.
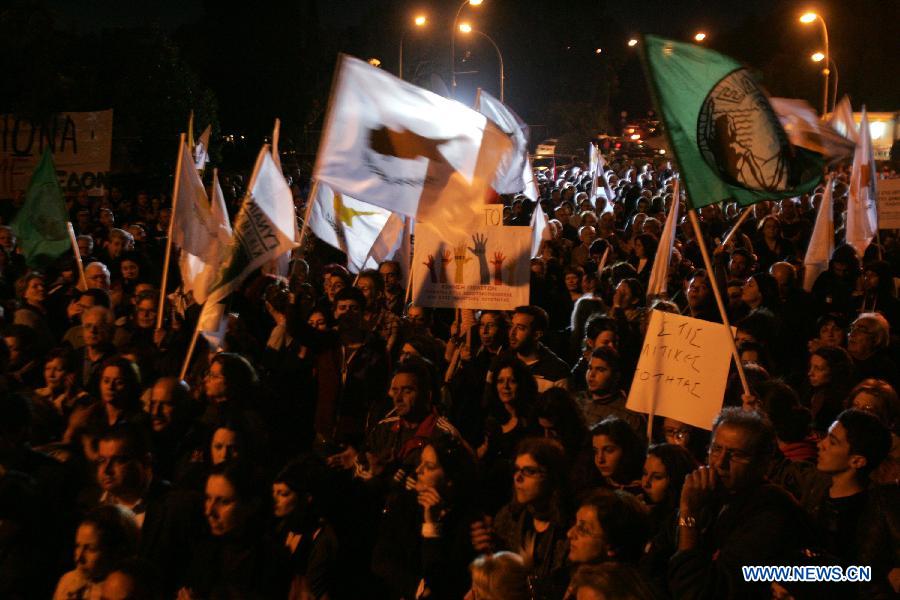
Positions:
{"x": 888, "y": 203}
{"x": 81, "y": 143}
{"x": 488, "y": 269}
{"x": 682, "y": 370}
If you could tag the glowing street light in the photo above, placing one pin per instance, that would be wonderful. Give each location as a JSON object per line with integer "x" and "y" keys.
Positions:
{"x": 819, "y": 57}
{"x": 598, "y": 50}
{"x": 467, "y": 28}
{"x": 810, "y": 17}
{"x": 453, "y": 31}
{"x": 374, "y": 62}
{"x": 419, "y": 21}
{"x": 632, "y": 43}
{"x": 699, "y": 36}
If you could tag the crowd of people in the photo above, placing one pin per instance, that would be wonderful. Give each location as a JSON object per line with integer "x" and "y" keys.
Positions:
{"x": 344, "y": 443}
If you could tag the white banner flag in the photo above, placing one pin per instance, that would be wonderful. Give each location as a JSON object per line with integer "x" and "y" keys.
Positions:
{"x": 821, "y": 243}
{"x": 405, "y": 149}
{"x": 659, "y": 275}
{"x": 263, "y": 229}
{"x": 511, "y": 172}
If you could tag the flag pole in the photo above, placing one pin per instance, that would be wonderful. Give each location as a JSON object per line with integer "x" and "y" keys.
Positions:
{"x": 193, "y": 344}
{"x": 172, "y": 213}
{"x": 77, "y": 251}
{"x": 309, "y": 202}
{"x": 276, "y": 133}
{"x": 737, "y": 225}
{"x": 692, "y": 214}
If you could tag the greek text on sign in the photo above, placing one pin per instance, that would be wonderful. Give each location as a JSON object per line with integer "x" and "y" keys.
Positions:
{"x": 682, "y": 370}
{"x": 486, "y": 268}
{"x": 81, "y": 143}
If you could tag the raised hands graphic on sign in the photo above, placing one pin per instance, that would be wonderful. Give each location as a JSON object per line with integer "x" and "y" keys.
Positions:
{"x": 497, "y": 263}
{"x": 460, "y": 258}
{"x": 480, "y": 250}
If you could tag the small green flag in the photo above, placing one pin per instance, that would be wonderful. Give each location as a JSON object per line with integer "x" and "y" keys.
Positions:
{"x": 40, "y": 224}
{"x": 725, "y": 135}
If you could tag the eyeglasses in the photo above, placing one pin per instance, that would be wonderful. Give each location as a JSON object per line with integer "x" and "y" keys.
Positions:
{"x": 860, "y": 330}
{"x": 582, "y": 531}
{"x": 678, "y": 434}
{"x": 528, "y": 472}
{"x": 735, "y": 455}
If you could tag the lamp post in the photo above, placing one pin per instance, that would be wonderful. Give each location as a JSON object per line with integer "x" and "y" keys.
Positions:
{"x": 467, "y": 28}
{"x": 810, "y": 17}
{"x": 453, "y": 44}
{"x": 419, "y": 21}
{"x": 699, "y": 36}
{"x": 819, "y": 57}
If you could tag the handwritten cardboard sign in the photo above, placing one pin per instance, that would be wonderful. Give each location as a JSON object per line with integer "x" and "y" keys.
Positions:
{"x": 682, "y": 370}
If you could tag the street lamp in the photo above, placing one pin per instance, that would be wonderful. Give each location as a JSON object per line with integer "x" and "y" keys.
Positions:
{"x": 453, "y": 43}
{"x": 819, "y": 57}
{"x": 632, "y": 43}
{"x": 467, "y": 28}
{"x": 419, "y": 21}
{"x": 807, "y": 18}
{"x": 374, "y": 62}
{"x": 699, "y": 36}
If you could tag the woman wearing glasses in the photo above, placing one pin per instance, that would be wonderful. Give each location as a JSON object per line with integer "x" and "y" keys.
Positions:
{"x": 536, "y": 521}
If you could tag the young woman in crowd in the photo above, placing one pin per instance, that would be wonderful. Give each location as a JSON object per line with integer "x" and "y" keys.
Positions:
{"x": 830, "y": 377}
{"x": 537, "y": 518}
{"x": 424, "y": 545}
{"x": 235, "y": 558}
{"x": 302, "y": 532}
{"x": 510, "y": 401}
{"x": 618, "y": 456}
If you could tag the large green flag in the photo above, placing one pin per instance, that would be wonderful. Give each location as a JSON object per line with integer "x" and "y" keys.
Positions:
{"x": 40, "y": 224}
{"x": 727, "y": 139}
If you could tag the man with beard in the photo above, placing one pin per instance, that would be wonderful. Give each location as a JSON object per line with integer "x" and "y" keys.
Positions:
{"x": 529, "y": 323}
{"x": 352, "y": 367}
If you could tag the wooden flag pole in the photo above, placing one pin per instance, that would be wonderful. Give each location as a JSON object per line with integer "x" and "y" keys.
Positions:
{"x": 81, "y": 276}
{"x": 193, "y": 344}
{"x": 165, "y": 274}
{"x": 692, "y": 214}
{"x": 737, "y": 225}
{"x": 309, "y": 202}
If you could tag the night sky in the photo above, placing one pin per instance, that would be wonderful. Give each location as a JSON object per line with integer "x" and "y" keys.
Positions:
{"x": 285, "y": 50}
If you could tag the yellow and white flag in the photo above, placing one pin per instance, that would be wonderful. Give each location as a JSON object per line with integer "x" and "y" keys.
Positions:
{"x": 347, "y": 224}
{"x": 862, "y": 215}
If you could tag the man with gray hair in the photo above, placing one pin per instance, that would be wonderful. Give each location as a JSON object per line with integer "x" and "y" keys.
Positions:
{"x": 730, "y": 516}
{"x": 97, "y": 276}
{"x": 97, "y": 327}
{"x": 868, "y": 344}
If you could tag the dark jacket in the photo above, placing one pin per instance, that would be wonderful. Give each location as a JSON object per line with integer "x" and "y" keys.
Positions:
{"x": 760, "y": 526}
